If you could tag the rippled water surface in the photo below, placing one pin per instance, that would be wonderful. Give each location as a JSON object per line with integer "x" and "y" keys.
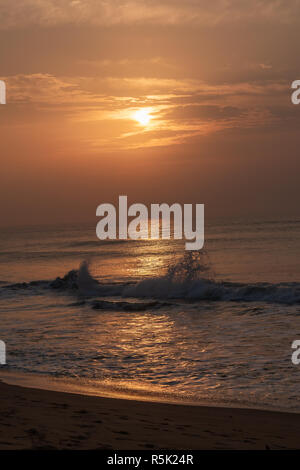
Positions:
{"x": 146, "y": 316}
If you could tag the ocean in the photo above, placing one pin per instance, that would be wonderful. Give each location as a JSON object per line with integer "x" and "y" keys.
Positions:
{"x": 147, "y": 319}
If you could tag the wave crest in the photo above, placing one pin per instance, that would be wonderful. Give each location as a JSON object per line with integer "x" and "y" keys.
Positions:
{"x": 188, "y": 279}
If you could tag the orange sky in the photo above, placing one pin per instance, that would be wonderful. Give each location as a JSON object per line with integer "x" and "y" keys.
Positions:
{"x": 214, "y": 76}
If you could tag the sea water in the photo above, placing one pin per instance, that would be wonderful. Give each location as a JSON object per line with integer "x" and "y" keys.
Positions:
{"x": 147, "y": 319}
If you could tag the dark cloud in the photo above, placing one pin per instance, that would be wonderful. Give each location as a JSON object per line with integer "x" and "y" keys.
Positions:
{"x": 203, "y": 112}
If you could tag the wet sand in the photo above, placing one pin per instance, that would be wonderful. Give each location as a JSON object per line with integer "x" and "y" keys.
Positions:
{"x": 41, "y": 419}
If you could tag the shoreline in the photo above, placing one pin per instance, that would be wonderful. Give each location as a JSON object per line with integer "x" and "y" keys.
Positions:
{"x": 88, "y": 387}
{"x": 33, "y": 418}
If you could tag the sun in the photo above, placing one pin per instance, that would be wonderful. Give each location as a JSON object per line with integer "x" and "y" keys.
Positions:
{"x": 142, "y": 116}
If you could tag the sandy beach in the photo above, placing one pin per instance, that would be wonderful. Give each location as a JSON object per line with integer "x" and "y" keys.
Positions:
{"x": 41, "y": 419}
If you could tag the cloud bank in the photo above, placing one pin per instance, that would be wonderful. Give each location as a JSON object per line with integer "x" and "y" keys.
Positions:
{"x": 47, "y": 13}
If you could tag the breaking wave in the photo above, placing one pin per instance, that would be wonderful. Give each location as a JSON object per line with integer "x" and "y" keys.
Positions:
{"x": 189, "y": 279}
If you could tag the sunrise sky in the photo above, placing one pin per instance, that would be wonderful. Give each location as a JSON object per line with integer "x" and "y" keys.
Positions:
{"x": 164, "y": 101}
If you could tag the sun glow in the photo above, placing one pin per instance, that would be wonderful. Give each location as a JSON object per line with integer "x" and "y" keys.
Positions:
{"x": 142, "y": 116}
